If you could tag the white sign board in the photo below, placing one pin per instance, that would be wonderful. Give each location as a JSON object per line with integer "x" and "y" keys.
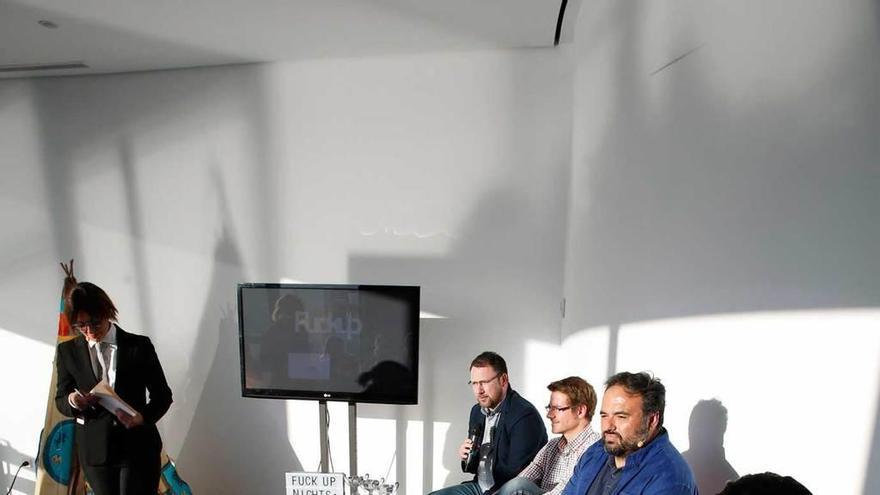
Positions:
{"x": 314, "y": 483}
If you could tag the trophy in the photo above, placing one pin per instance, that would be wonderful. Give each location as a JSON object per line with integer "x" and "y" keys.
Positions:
{"x": 369, "y": 486}
{"x": 354, "y": 484}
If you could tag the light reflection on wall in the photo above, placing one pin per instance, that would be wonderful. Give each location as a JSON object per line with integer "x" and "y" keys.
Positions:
{"x": 585, "y": 354}
{"x": 415, "y": 439}
{"x": 26, "y": 367}
{"x": 376, "y": 439}
{"x": 780, "y": 375}
{"x": 542, "y": 367}
{"x": 303, "y": 432}
{"x": 377, "y": 442}
{"x": 441, "y": 429}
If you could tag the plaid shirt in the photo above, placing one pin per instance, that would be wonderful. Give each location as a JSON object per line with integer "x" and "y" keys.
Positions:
{"x": 555, "y": 462}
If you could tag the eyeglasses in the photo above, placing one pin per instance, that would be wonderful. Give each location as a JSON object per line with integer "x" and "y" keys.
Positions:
{"x": 482, "y": 383}
{"x": 557, "y": 409}
{"x": 82, "y": 325}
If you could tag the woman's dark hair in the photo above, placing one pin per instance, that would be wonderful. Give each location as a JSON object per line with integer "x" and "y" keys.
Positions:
{"x": 89, "y": 298}
{"x": 653, "y": 392}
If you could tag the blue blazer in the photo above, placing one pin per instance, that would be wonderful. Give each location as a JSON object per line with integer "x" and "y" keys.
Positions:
{"x": 519, "y": 435}
{"x": 655, "y": 469}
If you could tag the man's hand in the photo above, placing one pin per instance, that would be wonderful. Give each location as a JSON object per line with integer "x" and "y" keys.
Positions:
{"x": 82, "y": 401}
{"x": 128, "y": 420}
{"x": 465, "y": 448}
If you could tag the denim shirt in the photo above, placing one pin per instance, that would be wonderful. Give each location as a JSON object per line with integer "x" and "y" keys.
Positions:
{"x": 655, "y": 469}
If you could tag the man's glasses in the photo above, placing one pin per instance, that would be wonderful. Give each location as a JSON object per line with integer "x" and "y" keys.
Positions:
{"x": 482, "y": 383}
{"x": 557, "y": 409}
{"x": 82, "y": 325}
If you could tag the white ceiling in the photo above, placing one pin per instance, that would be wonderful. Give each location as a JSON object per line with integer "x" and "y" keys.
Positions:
{"x": 131, "y": 35}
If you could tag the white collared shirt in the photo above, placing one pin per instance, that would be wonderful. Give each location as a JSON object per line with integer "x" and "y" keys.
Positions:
{"x": 108, "y": 360}
{"x": 554, "y": 464}
{"x": 485, "y": 476}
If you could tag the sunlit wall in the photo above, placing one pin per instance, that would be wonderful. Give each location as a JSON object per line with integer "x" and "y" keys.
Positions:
{"x": 747, "y": 393}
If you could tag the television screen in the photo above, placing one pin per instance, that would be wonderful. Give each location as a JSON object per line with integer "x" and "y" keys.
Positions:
{"x": 355, "y": 343}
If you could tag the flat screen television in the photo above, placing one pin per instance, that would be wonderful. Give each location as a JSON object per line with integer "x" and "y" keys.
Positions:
{"x": 353, "y": 343}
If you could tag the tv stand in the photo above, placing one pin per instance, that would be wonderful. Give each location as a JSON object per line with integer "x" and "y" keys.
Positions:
{"x": 323, "y": 424}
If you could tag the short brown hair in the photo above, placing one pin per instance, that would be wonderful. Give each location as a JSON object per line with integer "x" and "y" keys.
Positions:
{"x": 91, "y": 299}
{"x": 489, "y": 358}
{"x": 579, "y": 392}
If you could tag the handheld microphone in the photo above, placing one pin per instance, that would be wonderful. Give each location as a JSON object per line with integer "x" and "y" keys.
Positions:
{"x": 469, "y": 464}
{"x": 23, "y": 464}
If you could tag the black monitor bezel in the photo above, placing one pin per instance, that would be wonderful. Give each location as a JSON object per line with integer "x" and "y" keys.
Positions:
{"x": 353, "y": 397}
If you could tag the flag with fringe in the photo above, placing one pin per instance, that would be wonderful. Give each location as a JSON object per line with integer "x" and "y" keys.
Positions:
{"x": 58, "y": 471}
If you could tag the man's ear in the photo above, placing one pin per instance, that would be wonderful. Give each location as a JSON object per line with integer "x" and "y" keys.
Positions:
{"x": 504, "y": 379}
{"x": 654, "y": 421}
{"x": 582, "y": 411}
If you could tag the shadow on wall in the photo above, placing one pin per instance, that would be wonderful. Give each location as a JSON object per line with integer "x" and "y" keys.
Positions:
{"x": 233, "y": 444}
{"x": 494, "y": 263}
{"x": 697, "y": 195}
{"x": 99, "y": 135}
{"x": 11, "y": 459}
{"x": 92, "y": 132}
{"x": 760, "y": 210}
{"x": 706, "y": 429}
{"x": 495, "y": 290}
{"x": 47, "y": 227}
{"x": 77, "y": 115}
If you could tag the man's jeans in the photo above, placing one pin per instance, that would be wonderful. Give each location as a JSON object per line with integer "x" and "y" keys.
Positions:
{"x": 466, "y": 488}
{"x": 519, "y": 486}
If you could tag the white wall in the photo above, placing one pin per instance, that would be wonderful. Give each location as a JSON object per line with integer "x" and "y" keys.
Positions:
{"x": 723, "y": 230}
{"x": 713, "y": 221}
{"x": 444, "y": 170}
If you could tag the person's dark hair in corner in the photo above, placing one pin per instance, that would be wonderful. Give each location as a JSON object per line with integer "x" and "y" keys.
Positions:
{"x": 507, "y": 430}
{"x": 765, "y": 484}
{"x": 635, "y": 454}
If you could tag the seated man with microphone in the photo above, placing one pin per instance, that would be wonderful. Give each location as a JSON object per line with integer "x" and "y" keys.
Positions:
{"x": 635, "y": 455}
{"x": 505, "y": 430}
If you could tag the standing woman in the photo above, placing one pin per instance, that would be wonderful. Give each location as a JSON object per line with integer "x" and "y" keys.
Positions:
{"x": 119, "y": 453}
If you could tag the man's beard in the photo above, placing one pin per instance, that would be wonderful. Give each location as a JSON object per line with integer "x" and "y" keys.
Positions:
{"x": 625, "y": 447}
